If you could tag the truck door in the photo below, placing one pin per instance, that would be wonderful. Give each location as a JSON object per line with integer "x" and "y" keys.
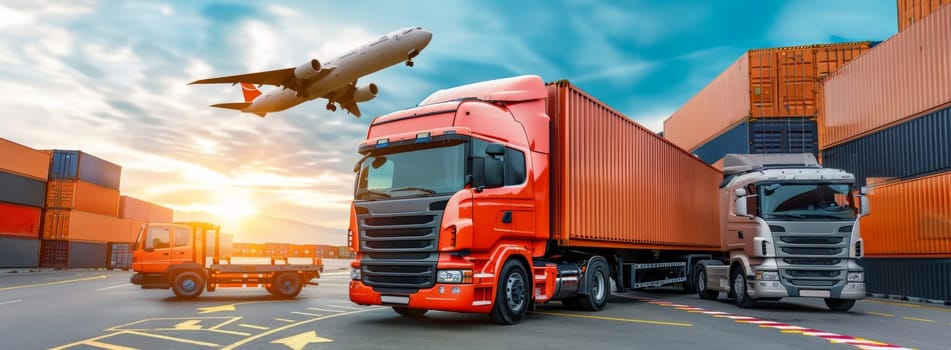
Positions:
{"x": 182, "y": 250}
{"x": 503, "y": 210}
{"x": 156, "y": 254}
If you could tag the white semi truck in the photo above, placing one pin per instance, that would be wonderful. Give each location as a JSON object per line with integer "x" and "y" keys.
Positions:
{"x": 789, "y": 229}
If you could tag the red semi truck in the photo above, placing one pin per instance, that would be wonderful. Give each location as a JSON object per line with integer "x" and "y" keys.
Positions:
{"x": 492, "y": 196}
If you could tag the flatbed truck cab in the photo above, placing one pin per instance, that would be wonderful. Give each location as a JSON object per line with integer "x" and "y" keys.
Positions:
{"x": 186, "y": 257}
{"x": 790, "y": 228}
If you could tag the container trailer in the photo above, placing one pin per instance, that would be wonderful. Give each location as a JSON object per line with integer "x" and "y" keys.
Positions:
{"x": 187, "y": 257}
{"x": 494, "y": 196}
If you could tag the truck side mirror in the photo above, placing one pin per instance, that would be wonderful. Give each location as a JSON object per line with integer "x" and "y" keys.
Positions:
{"x": 863, "y": 206}
{"x": 493, "y": 173}
{"x": 740, "y": 202}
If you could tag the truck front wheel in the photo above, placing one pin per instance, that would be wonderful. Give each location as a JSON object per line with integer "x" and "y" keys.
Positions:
{"x": 840, "y": 305}
{"x": 511, "y": 296}
{"x": 286, "y": 285}
{"x": 188, "y": 284}
{"x": 740, "y": 297}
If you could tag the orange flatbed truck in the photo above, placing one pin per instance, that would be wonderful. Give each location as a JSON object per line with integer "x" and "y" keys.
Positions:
{"x": 494, "y": 196}
{"x": 186, "y": 257}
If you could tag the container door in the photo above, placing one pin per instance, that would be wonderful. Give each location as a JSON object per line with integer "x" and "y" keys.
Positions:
{"x": 156, "y": 254}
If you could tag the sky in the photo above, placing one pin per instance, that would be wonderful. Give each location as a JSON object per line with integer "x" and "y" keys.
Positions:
{"x": 109, "y": 78}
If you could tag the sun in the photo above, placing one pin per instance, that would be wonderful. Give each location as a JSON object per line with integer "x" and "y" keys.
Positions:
{"x": 233, "y": 207}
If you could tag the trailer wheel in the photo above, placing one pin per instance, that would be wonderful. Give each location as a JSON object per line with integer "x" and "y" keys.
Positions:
{"x": 840, "y": 305}
{"x": 286, "y": 285}
{"x": 701, "y": 283}
{"x": 511, "y": 296}
{"x": 410, "y": 312}
{"x": 188, "y": 284}
{"x": 599, "y": 288}
{"x": 740, "y": 297}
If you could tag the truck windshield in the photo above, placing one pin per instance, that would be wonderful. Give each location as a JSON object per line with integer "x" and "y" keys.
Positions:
{"x": 413, "y": 173}
{"x": 825, "y": 201}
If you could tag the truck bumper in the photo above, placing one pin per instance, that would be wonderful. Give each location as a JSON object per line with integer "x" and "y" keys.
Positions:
{"x": 149, "y": 280}
{"x": 777, "y": 289}
{"x": 473, "y": 298}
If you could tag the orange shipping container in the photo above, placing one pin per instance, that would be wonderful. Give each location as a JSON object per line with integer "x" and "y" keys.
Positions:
{"x": 904, "y": 76}
{"x": 912, "y": 11}
{"x": 617, "y": 184}
{"x": 77, "y": 225}
{"x": 910, "y": 218}
{"x": 763, "y": 83}
{"x": 81, "y": 195}
{"x": 22, "y": 160}
{"x": 158, "y": 213}
{"x": 137, "y": 209}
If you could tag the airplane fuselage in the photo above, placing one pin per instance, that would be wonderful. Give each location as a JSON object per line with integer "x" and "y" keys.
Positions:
{"x": 393, "y": 48}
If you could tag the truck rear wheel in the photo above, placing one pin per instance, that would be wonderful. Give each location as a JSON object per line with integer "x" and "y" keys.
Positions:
{"x": 410, "y": 312}
{"x": 599, "y": 288}
{"x": 511, "y": 295}
{"x": 740, "y": 297}
{"x": 701, "y": 284}
{"x": 286, "y": 285}
{"x": 188, "y": 284}
{"x": 840, "y": 305}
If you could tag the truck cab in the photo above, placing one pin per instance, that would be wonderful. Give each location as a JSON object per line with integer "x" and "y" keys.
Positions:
{"x": 790, "y": 228}
{"x": 188, "y": 257}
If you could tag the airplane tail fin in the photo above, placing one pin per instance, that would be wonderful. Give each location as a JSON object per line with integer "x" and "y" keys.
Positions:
{"x": 250, "y": 92}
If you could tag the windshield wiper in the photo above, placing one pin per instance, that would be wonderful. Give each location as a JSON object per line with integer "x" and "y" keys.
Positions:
{"x": 786, "y": 216}
{"x": 420, "y": 189}
{"x": 375, "y": 193}
{"x": 827, "y": 216}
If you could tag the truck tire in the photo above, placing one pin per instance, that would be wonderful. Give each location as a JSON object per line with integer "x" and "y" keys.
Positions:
{"x": 599, "y": 289}
{"x": 188, "y": 284}
{"x": 738, "y": 285}
{"x": 410, "y": 312}
{"x": 511, "y": 294}
{"x": 840, "y": 305}
{"x": 286, "y": 285}
{"x": 701, "y": 283}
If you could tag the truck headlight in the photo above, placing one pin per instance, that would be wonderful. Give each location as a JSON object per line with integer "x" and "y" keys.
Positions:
{"x": 856, "y": 276}
{"x": 767, "y": 275}
{"x": 356, "y": 273}
{"x": 454, "y": 276}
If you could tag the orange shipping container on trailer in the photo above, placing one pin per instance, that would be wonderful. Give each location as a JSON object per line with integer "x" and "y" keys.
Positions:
{"x": 904, "y": 76}
{"x": 78, "y": 225}
{"x": 912, "y": 11}
{"x": 81, "y": 195}
{"x": 910, "y": 218}
{"x": 605, "y": 164}
{"x": 23, "y": 160}
{"x": 763, "y": 83}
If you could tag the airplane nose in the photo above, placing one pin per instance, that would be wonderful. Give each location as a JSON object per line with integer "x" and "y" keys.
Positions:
{"x": 426, "y": 35}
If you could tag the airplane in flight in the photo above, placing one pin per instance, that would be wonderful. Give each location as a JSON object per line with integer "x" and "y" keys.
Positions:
{"x": 334, "y": 80}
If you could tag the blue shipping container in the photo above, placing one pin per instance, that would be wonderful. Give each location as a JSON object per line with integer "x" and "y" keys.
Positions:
{"x": 763, "y": 136}
{"x": 18, "y": 252}
{"x": 917, "y": 147}
{"x": 21, "y": 190}
{"x": 909, "y": 278}
{"x": 77, "y": 165}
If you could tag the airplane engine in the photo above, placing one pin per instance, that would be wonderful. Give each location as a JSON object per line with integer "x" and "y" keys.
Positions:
{"x": 365, "y": 93}
{"x": 307, "y": 70}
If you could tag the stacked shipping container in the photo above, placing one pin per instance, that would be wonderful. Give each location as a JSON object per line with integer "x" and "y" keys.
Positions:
{"x": 23, "y": 174}
{"x": 886, "y": 117}
{"x": 912, "y": 11}
{"x": 765, "y": 102}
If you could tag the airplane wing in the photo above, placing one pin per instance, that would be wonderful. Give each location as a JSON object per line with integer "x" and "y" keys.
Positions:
{"x": 344, "y": 97}
{"x": 278, "y": 77}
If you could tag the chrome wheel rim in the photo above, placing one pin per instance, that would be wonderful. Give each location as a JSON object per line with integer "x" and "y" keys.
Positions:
{"x": 515, "y": 292}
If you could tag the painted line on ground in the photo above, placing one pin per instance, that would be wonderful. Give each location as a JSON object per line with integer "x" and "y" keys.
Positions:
{"x": 918, "y": 319}
{"x": 107, "y": 346}
{"x": 346, "y": 307}
{"x": 324, "y": 310}
{"x": 245, "y": 325}
{"x": 285, "y": 320}
{"x": 283, "y": 328}
{"x": 11, "y": 302}
{"x": 880, "y": 314}
{"x": 618, "y": 319}
{"x": 942, "y": 309}
{"x": 108, "y": 288}
{"x": 305, "y": 314}
{"x": 180, "y": 340}
{"x": 834, "y": 338}
{"x": 54, "y": 283}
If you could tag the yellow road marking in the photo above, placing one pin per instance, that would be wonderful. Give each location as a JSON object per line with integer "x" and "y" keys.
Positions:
{"x": 918, "y": 319}
{"x": 298, "y": 342}
{"x": 792, "y": 331}
{"x": 231, "y": 307}
{"x": 100, "y": 277}
{"x": 909, "y": 305}
{"x": 180, "y": 340}
{"x": 285, "y": 320}
{"x": 279, "y": 329}
{"x": 81, "y": 342}
{"x": 190, "y": 325}
{"x": 616, "y": 319}
{"x": 252, "y": 326}
{"x": 879, "y": 314}
{"x": 121, "y": 327}
{"x": 324, "y": 310}
{"x": 305, "y": 314}
{"x": 107, "y": 346}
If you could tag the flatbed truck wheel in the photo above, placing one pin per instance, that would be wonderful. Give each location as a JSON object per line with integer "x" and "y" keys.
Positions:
{"x": 511, "y": 294}
{"x": 410, "y": 312}
{"x": 286, "y": 285}
{"x": 188, "y": 284}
